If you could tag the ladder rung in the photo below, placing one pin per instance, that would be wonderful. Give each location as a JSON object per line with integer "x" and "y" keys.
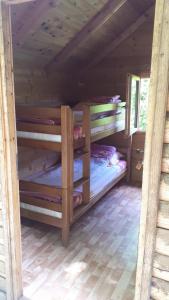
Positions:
{"x": 80, "y": 181}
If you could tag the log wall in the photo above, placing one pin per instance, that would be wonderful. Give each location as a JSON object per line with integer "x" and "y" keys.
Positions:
{"x": 160, "y": 280}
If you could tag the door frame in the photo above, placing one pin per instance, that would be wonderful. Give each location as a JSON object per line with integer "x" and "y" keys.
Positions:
{"x": 153, "y": 152}
{"x": 9, "y": 183}
{"x": 158, "y": 98}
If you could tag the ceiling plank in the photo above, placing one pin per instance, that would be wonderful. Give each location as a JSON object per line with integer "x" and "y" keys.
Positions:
{"x": 110, "y": 8}
{"x": 121, "y": 37}
{"x": 31, "y": 20}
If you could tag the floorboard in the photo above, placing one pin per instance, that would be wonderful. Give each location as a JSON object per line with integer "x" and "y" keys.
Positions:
{"x": 100, "y": 261}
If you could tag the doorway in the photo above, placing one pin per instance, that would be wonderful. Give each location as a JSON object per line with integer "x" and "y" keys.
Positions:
{"x": 152, "y": 183}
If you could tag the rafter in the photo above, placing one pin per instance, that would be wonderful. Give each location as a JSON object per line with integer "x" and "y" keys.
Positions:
{"x": 110, "y": 8}
{"x": 31, "y": 19}
{"x": 123, "y": 36}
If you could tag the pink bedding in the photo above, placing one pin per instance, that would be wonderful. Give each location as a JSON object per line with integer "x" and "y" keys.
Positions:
{"x": 77, "y": 197}
{"x": 107, "y": 154}
{"x": 78, "y": 132}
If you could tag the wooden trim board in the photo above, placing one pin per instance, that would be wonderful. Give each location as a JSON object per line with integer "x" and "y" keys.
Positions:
{"x": 153, "y": 149}
{"x": 9, "y": 191}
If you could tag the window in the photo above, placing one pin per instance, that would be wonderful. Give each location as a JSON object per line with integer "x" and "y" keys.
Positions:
{"x": 137, "y": 98}
{"x": 144, "y": 91}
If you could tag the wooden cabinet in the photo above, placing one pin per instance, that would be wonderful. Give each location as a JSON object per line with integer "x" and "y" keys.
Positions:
{"x": 137, "y": 156}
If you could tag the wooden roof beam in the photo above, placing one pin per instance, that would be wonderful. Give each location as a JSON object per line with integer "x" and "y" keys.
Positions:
{"x": 123, "y": 36}
{"x": 31, "y": 19}
{"x": 109, "y": 9}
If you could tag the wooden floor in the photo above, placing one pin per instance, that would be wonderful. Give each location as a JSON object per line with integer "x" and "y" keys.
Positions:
{"x": 99, "y": 263}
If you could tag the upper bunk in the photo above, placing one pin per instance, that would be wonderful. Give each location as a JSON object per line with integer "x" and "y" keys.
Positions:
{"x": 105, "y": 119}
{"x": 49, "y": 128}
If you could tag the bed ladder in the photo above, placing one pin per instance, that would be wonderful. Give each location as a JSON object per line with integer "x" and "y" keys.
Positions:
{"x": 67, "y": 153}
{"x": 85, "y": 156}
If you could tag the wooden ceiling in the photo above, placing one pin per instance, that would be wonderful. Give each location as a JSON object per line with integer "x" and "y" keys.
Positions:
{"x": 69, "y": 34}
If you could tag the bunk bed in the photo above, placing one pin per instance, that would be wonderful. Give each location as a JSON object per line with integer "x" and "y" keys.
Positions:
{"x": 54, "y": 129}
{"x": 66, "y": 191}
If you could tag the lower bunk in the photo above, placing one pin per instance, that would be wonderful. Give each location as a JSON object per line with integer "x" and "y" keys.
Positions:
{"x": 42, "y": 201}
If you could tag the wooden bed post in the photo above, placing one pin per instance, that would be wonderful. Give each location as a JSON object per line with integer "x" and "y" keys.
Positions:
{"x": 153, "y": 149}
{"x": 67, "y": 170}
{"x": 10, "y": 240}
{"x": 86, "y": 157}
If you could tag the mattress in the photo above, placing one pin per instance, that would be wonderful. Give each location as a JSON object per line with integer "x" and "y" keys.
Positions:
{"x": 101, "y": 176}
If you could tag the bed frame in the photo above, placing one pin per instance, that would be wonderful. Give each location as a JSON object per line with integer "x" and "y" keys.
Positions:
{"x": 119, "y": 119}
{"x": 66, "y": 146}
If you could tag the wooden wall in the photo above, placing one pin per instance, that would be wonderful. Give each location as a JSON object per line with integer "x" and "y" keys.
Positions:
{"x": 110, "y": 76}
{"x": 36, "y": 87}
{"x": 160, "y": 280}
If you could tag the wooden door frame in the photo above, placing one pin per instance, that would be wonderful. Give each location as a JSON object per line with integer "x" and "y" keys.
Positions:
{"x": 152, "y": 164}
{"x": 158, "y": 96}
{"x": 9, "y": 187}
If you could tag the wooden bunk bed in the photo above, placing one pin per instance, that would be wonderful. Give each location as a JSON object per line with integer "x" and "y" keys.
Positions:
{"x": 43, "y": 191}
{"x": 36, "y": 128}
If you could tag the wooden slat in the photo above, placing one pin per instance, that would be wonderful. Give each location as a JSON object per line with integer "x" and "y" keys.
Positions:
{"x": 100, "y": 135}
{"x": 160, "y": 289}
{"x": 3, "y": 286}
{"x": 162, "y": 245}
{"x": 39, "y": 217}
{"x": 166, "y": 133}
{"x": 107, "y": 120}
{"x": 2, "y": 267}
{"x": 100, "y": 108}
{"x": 41, "y": 188}
{"x": 110, "y": 8}
{"x": 41, "y": 203}
{"x": 163, "y": 215}
{"x": 1, "y": 233}
{"x": 158, "y": 96}
{"x": 164, "y": 187}
{"x": 23, "y": 111}
{"x": 168, "y": 105}
{"x": 21, "y": 126}
{"x": 161, "y": 262}
{"x": 46, "y": 145}
{"x": 2, "y": 247}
